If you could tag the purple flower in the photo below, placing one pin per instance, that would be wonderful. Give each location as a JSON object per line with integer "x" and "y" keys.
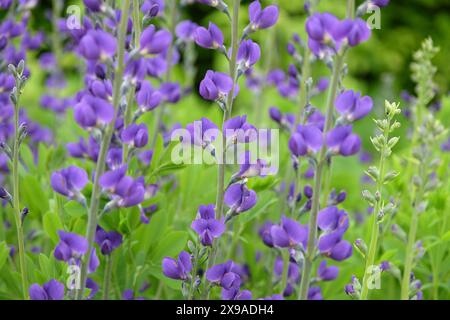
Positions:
{"x": 33, "y": 42}
{"x": 170, "y": 91}
{"x": 148, "y": 98}
{"x": 236, "y": 294}
{"x": 177, "y": 269}
{"x": 248, "y": 53}
{"x": 380, "y": 3}
{"x": 135, "y": 68}
{"x": 326, "y": 33}
{"x": 327, "y": 273}
{"x": 446, "y": 145}
{"x": 275, "y": 114}
{"x": 314, "y": 293}
{"x": 154, "y": 42}
{"x": 153, "y": 8}
{"x": 224, "y": 275}
{"x": 239, "y": 198}
{"x": 185, "y": 30}
{"x": 334, "y": 222}
{"x": 135, "y": 135}
{"x": 211, "y": 38}
{"x": 94, "y": 5}
{"x": 202, "y": 133}
{"x": 91, "y": 284}
{"x": 52, "y": 290}
{"x": 322, "y": 84}
{"x": 385, "y": 265}
{"x": 81, "y": 149}
{"x": 215, "y": 85}
{"x": 156, "y": 66}
{"x": 305, "y": 140}
{"x": 71, "y": 245}
{"x": 92, "y": 112}
{"x": 341, "y": 140}
{"x": 275, "y": 77}
{"x": 107, "y": 241}
{"x": 207, "y": 226}
{"x": 97, "y": 44}
{"x": 265, "y": 233}
{"x": 114, "y": 158}
{"x": 289, "y": 234}
{"x": 249, "y": 167}
{"x": 146, "y": 157}
{"x": 331, "y": 218}
{"x": 69, "y": 181}
{"x": 126, "y": 191}
{"x": 358, "y": 33}
{"x": 262, "y": 18}
{"x": 147, "y": 212}
{"x": 237, "y": 129}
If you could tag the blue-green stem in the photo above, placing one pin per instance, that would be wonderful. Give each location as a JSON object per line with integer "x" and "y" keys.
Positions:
{"x": 107, "y": 277}
{"x": 160, "y": 110}
{"x": 16, "y": 200}
{"x": 226, "y": 116}
{"x": 410, "y": 248}
{"x": 375, "y": 232}
{"x": 106, "y": 140}
{"x": 321, "y": 162}
{"x": 127, "y": 113}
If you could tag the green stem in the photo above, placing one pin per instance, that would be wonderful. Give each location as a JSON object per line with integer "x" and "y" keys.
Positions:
{"x": 106, "y": 140}
{"x": 130, "y": 96}
{"x": 127, "y": 121}
{"x": 160, "y": 111}
{"x": 107, "y": 277}
{"x": 311, "y": 247}
{"x": 193, "y": 277}
{"x": 226, "y": 116}
{"x": 351, "y": 9}
{"x": 16, "y": 201}
{"x": 373, "y": 246}
{"x": 136, "y": 23}
{"x": 56, "y": 39}
{"x": 410, "y": 249}
{"x": 284, "y": 277}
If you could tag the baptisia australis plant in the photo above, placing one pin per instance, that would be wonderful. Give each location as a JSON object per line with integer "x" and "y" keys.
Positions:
{"x": 119, "y": 55}
{"x": 330, "y": 38}
{"x": 383, "y": 143}
{"x": 427, "y": 133}
{"x": 222, "y": 88}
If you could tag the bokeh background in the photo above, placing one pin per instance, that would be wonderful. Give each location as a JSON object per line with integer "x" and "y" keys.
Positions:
{"x": 379, "y": 68}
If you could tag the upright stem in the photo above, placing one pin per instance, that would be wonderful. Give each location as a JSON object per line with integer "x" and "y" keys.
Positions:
{"x": 127, "y": 121}
{"x": 136, "y": 23}
{"x": 226, "y": 116}
{"x": 107, "y": 277}
{"x": 106, "y": 140}
{"x": 169, "y": 58}
{"x": 127, "y": 114}
{"x": 56, "y": 39}
{"x": 289, "y": 177}
{"x": 311, "y": 247}
{"x": 16, "y": 201}
{"x": 373, "y": 246}
{"x": 230, "y": 99}
{"x": 412, "y": 236}
{"x": 193, "y": 277}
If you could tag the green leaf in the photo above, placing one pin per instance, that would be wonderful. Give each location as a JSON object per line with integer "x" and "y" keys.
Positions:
{"x": 74, "y": 209}
{"x": 4, "y": 253}
{"x": 170, "y": 245}
{"x": 446, "y": 236}
{"x": 52, "y": 223}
